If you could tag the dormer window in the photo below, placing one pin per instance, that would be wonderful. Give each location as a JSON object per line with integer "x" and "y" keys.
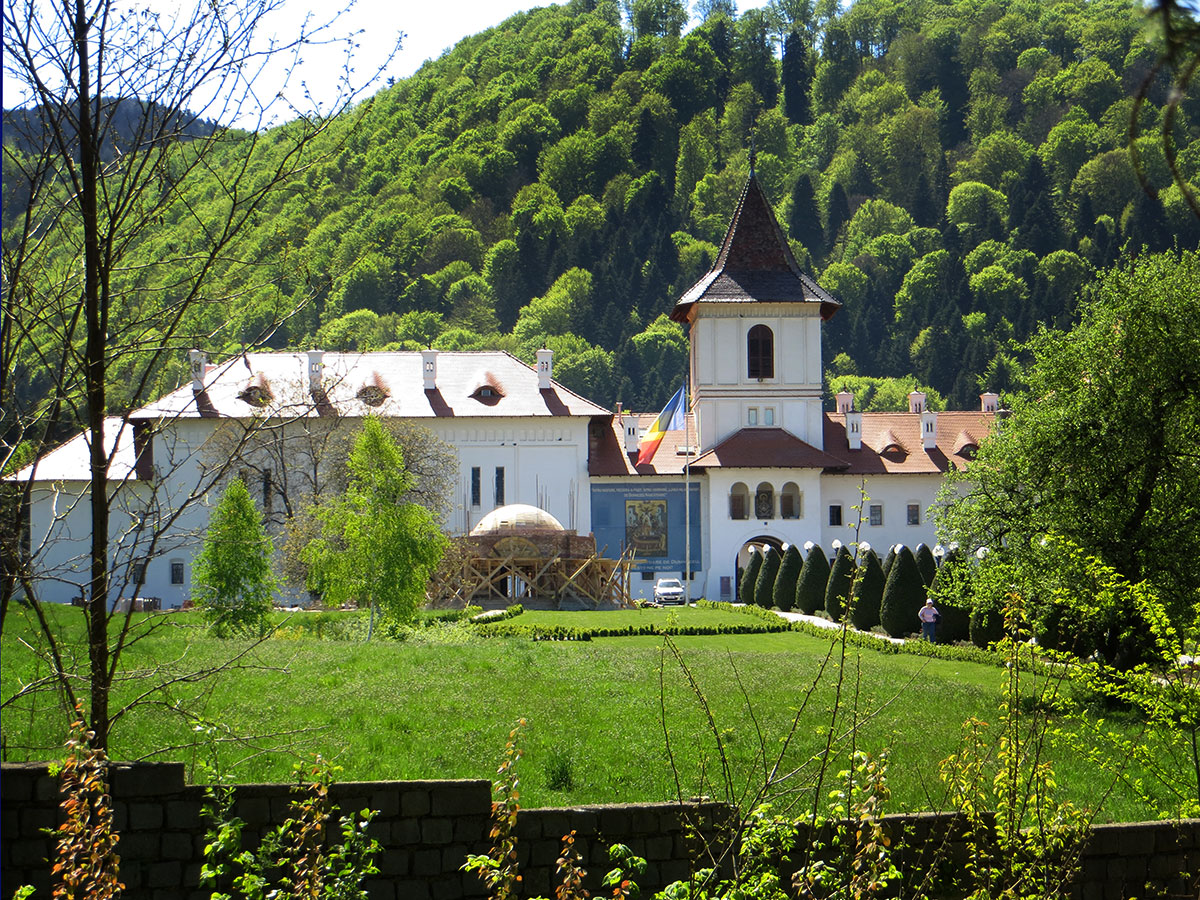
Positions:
{"x": 374, "y": 392}
{"x": 760, "y": 353}
{"x": 257, "y": 392}
{"x": 488, "y": 393}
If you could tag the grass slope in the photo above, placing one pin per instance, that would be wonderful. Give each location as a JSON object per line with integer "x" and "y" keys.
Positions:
{"x": 414, "y": 709}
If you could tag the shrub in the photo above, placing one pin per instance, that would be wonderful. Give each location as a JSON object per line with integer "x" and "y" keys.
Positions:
{"x": 814, "y": 576}
{"x": 889, "y": 561}
{"x": 868, "y": 592}
{"x": 903, "y": 596}
{"x": 785, "y": 581}
{"x": 764, "y": 587}
{"x": 750, "y": 577}
{"x": 837, "y": 592}
{"x": 926, "y": 564}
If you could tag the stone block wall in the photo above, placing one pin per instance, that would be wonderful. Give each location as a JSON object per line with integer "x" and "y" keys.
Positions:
{"x": 427, "y": 828}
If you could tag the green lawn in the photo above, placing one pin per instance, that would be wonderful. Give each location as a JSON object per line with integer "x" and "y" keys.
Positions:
{"x": 442, "y": 707}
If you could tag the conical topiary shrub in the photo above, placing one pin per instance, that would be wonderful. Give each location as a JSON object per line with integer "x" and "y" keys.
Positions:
{"x": 785, "y": 581}
{"x": 749, "y": 577}
{"x": 837, "y": 592}
{"x": 903, "y": 596}
{"x": 764, "y": 587}
{"x": 814, "y": 576}
{"x": 868, "y": 592}
{"x": 926, "y": 564}
{"x": 888, "y": 560}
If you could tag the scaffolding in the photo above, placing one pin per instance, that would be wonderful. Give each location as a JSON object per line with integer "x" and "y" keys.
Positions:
{"x": 544, "y": 567}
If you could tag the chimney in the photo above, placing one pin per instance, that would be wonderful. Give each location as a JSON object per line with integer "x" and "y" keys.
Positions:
{"x": 989, "y": 402}
{"x": 429, "y": 368}
{"x": 929, "y": 430}
{"x": 630, "y": 426}
{"x": 916, "y": 402}
{"x": 316, "y": 370}
{"x": 854, "y": 430}
{"x": 845, "y": 402}
{"x": 197, "y": 361}
{"x": 545, "y": 368}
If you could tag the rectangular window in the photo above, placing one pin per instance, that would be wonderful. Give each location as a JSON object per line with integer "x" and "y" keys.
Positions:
{"x": 647, "y": 576}
{"x": 752, "y": 416}
{"x": 499, "y": 485}
{"x": 137, "y": 573}
{"x": 176, "y": 571}
{"x": 737, "y": 506}
{"x": 914, "y": 514}
{"x": 769, "y": 416}
{"x": 835, "y": 514}
{"x": 476, "y": 486}
{"x": 876, "y": 513}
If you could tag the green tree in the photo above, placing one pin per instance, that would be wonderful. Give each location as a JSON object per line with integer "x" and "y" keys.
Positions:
{"x": 1101, "y": 450}
{"x": 784, "y": 595}
{"x": 374, "y": 546}
{"x": 232, "y": 576}
{"x": 837, "y": 591}
{"x": 903, "y": 596}
{"x": 868, "y": 592}
{"x": 814, "y": 576}
{"x": 764, "y": 586}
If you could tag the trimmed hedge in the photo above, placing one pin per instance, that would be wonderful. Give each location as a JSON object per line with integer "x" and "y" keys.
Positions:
{"x": 785, "y": 582}
{"x": 749, "y": 578}
{"x": 764, "y": 587}
{"x": 926, "y": 564}
{"x": 569, "y": 633}
{"x": 868, "y": 592}
{"x": 903, "y": 596}
{"x": 810, "y": 587}
{"x": 837, "y": 592}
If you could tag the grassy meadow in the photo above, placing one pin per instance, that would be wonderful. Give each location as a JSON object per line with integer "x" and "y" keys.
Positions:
{"x": 440, "y": 703}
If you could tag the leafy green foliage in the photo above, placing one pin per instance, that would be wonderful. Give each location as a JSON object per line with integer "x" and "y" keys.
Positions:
{"x": 903, "y": 595}
{"x": 559, "y": 142}
{"x": 232, "y": 577}
{"x": 375, "y": 547}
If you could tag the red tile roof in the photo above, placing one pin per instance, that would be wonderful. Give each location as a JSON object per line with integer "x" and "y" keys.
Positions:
{"x": 607, "y": 454}
{"x": 755, "y": 264}
{"x": 765, "y": 448}
{"x": 956, "y": 431}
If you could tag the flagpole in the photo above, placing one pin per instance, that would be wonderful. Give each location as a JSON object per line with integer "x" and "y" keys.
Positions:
{"x": 687, "y": 499}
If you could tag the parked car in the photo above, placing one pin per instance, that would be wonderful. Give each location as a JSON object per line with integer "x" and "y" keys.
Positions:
{"x": 669, "y": 590}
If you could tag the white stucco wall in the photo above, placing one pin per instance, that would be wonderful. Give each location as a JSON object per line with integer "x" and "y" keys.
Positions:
{"x": 894, "y": 493}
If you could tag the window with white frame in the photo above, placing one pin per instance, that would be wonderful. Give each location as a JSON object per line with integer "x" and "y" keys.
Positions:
{"x": 835, "y": 514}
{"x": 876, "y": 514}
{"x": 752, "y": 416}
{"x": 769, "y": 416}
{"x": 914, "y": 514}
{"x": 177, "y": 571}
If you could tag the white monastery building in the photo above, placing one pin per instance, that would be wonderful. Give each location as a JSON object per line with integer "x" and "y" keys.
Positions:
{"x": 759, "y": 459}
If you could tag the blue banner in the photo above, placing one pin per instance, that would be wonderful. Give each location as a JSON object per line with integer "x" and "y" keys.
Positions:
{"x": 649, "y": 518}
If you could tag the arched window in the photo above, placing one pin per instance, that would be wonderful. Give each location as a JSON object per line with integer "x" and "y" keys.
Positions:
{"x": 764, "y": 502}
{"x": 739, "y": 501}
{"x": 760, "y": 352}
{"x": 791, "y": 502}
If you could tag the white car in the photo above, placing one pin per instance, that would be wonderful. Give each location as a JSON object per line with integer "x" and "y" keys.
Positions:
{"x": 669, "y": 590}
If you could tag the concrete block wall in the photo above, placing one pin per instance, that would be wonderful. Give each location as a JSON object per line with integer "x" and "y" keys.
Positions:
{"x": 427, "y": 828}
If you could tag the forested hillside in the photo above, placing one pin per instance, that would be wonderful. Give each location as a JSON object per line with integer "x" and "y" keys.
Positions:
{"x": 953, "y": 172}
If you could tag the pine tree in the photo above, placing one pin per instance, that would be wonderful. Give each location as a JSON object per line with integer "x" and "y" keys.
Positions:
{"x": 814, "y": 576}
{"x": 750, "y": 577}
{"x": 232, "y": 575}
{"x": 804, "y": 223}
{"x": 837, "y": 592}
{"x": 785, "y": 581}
{"x": 926, "y": 563}
{"x": 903, "y": 596}
{"x": 837, "y": 215}
{"x": 796, "y": 79}
{"x": 868, "y": 592}
{"x": 764, "y": 587}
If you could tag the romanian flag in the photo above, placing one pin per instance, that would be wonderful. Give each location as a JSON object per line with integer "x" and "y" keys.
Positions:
{"x": 670, "y": 419}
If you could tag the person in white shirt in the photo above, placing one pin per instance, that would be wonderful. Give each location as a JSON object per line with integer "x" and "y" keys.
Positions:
{"x": 929, "y": 617}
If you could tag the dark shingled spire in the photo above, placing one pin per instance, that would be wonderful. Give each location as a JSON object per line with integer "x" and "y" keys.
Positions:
{"x": 755, "y": 264}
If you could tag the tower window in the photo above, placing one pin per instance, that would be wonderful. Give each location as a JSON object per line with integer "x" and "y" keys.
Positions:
{"x": 760, "y": 352}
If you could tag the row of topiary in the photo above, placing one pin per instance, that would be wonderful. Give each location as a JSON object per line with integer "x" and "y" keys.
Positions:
{"x": 864, "y": 591}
